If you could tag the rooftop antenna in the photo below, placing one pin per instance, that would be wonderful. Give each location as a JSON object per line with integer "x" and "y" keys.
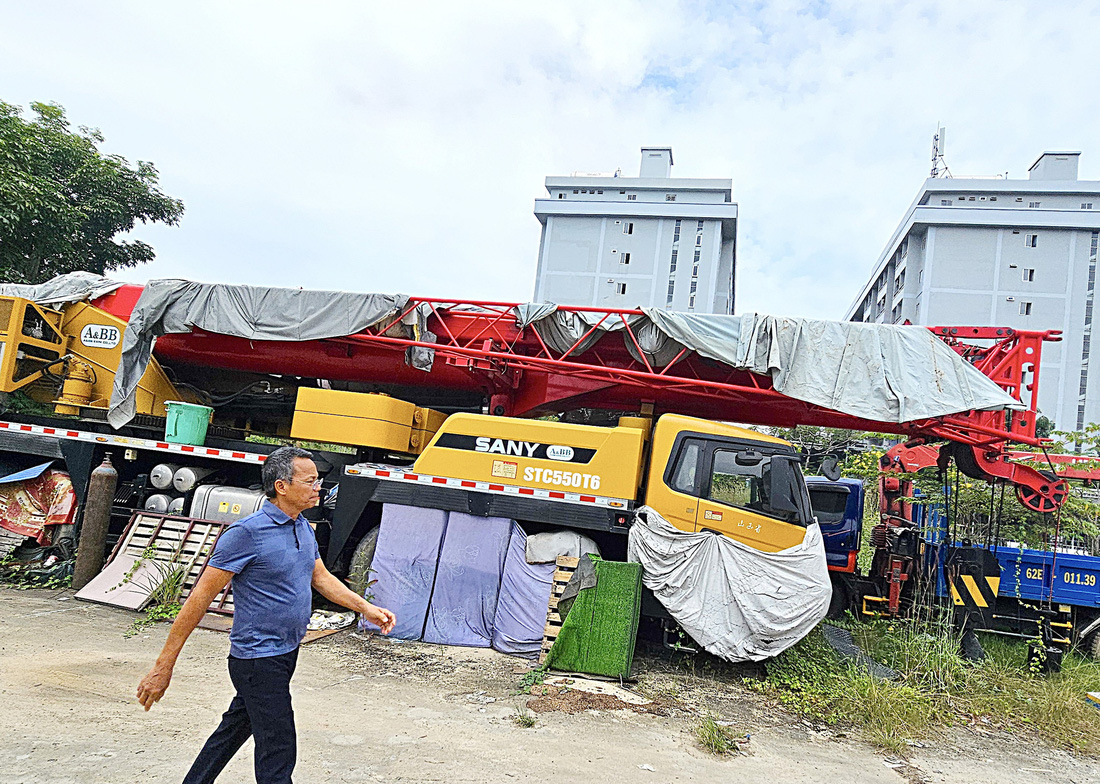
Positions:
{"x": 939, "y": 165}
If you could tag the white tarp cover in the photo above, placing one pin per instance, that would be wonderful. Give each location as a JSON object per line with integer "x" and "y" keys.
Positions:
{"x": 739, "y": 603}
{"x": 881, "y": 372}
{"x": 253, "y": 312}
{"x": 71, "y": 287}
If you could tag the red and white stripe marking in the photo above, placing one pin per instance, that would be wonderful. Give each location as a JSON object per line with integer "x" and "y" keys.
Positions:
{"x": 393, "y": 474}
{"x": 135, "y": 443}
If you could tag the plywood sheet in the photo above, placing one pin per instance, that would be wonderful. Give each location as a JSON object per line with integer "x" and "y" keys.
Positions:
{"x": 108, "y": 587}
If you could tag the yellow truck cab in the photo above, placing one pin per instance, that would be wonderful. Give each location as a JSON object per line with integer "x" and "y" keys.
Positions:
{"x": 698, "y": 474}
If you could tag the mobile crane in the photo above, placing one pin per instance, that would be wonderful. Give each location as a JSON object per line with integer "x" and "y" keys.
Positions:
{"x": 668, "y": 446}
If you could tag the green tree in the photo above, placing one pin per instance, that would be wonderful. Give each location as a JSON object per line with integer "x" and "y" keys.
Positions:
{"x": 63, "y": 202}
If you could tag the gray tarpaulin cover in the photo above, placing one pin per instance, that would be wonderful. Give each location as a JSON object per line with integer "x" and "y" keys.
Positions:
{"x": 253, "y": 312}
{"x": 71, "y": 287}
{"x": 879, "y": 372}
{"x": 547, "y": 546}
{"x": 524, "y": 596}
{"x": 737, "y": 602}
{"x": 467, "y": 580}
{"x": 875, "y": 371}
{"x": 409, "y": 541}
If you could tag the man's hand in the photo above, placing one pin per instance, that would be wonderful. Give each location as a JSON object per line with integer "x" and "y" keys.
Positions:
{"x": 334, "y": 590}
{"x": 153, "y": 685}
{"x": 380, "y": 617}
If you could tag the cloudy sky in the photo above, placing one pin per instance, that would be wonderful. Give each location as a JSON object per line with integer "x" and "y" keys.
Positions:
{"x": 400, "y": 146}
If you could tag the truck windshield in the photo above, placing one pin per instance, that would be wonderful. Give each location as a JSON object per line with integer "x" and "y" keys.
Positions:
{"x": 750, "y": 487}
{"x": 828, "y": 504}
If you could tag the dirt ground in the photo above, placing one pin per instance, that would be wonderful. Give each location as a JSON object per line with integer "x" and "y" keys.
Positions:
{"x": 370, "y": 710}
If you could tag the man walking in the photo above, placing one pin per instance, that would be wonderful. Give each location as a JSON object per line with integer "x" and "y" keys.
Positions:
{"x": 273, "y": 560}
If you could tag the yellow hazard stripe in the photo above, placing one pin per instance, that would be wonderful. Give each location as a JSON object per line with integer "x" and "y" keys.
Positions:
{"x": 955, "y": 595}
{"x": 995, "y": 584}
{"x": 974, "y": 590}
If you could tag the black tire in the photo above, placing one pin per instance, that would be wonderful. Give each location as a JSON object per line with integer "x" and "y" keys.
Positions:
{"x": 841, "y": 601}
{"x": 1092, "y": 645}
{"x": 361, "y": 560}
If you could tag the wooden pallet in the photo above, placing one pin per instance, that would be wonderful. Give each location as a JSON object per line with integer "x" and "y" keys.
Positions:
{"x": 177, "y": 539}
{"x": 566, "y": 565}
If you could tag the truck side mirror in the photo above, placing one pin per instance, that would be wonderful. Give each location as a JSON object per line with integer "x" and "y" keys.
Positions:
{"x": 829, "y": 469}
{"x": 780, "y": 484}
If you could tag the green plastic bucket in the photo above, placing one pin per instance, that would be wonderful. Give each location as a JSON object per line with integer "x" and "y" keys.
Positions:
{"x": 187, "y": 423}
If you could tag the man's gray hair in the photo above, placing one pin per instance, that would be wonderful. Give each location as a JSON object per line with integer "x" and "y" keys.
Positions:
{"x": 280, "y": 465}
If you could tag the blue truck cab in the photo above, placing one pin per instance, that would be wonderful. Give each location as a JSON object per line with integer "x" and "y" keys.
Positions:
{"x": 839, "y": 509}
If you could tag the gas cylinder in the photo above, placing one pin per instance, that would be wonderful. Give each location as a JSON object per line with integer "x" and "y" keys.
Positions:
{"x": 93, "y": 527}
{"x": 161, "y": 475}
{"x": 158, "y": 502}
{"x": 186, "y": 478}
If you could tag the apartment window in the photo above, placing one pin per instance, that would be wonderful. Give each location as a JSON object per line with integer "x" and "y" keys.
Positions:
{"x": 1019, "y": 198}
{"x": 628, "y": 228}
{"x": 699, "y": 239}
{"x": 1025, "y": 308}
{"x": 672, "y": 266}
{"x": 899, "y": 281}
{"x": 691, "y": 302}
{"x": 1029, "y": 275}
{"x": 971, "y": 198}
{"x": 962, "y": 198}
{"x": 1031, "y": 240}
{"x": 945, "y": 202}
{"x": 632, "y": 197}
{"x": 993, "y": 198}
{"x": 622, "y": 193}
{"x": 670, "y": 197}
{"x": 676, "y": 233}
{"x": 599, "y": 192}
{"x": 671, "y": 289}
{"x": 575, "y": 191}
{"x": 1086, "y": 205}
{"x": 694, "y": 287}
{"x": 620, "y": 288}
{"x": 624, "y": 258}
{"x": 561, "y": 195}
{"x": 1032, "y": 204}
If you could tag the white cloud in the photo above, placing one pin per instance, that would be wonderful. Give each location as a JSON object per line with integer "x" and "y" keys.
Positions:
{"x": 399, "y": 147}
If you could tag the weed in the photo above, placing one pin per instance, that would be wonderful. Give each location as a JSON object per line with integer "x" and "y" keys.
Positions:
{"x": 524, "y": 718}
{"x": 935, "y": 687}
{"x": 533, "y": 678}
{"x": 717, "y": 738}
{"x": 164, "y": 589}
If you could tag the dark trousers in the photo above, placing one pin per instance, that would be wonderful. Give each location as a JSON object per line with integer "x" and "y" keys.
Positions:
{"x": 261, "y": 708}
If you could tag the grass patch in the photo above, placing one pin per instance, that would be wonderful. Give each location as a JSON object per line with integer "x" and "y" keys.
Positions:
{"x": 524, "y": 718}
{"x": 717, "y": 738}
{"x": 533, "y": 678}
{"x": 936, "y": 688}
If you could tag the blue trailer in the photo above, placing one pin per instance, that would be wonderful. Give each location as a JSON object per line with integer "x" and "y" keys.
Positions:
{"x": 1063, "y": 587}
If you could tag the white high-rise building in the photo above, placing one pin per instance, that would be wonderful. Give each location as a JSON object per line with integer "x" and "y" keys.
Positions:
{"x": 1000, "y": 252}
{"x": 651, "y": 240}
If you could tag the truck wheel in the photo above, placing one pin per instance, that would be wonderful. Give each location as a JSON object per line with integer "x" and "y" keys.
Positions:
{"x": 1092, "y": 645}
{"x": 841, "y": 601}
{"x": 361, "y": 560}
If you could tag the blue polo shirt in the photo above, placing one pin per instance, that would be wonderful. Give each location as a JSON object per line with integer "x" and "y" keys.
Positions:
{"x": 272, "y": 559}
